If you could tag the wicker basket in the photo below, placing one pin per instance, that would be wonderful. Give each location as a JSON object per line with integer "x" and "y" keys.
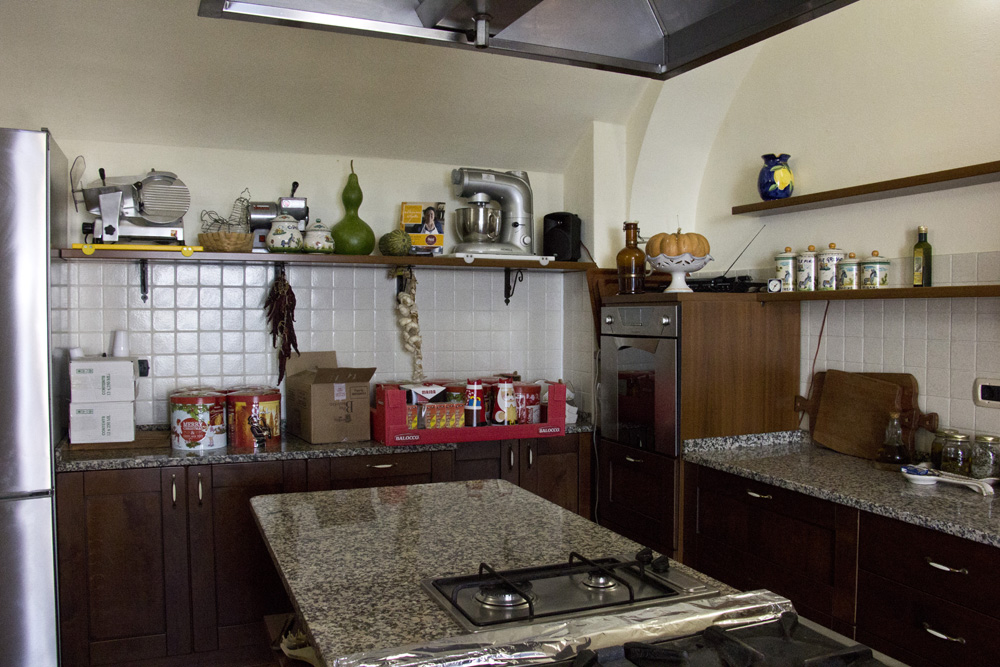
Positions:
{"x": 226, "y": 241}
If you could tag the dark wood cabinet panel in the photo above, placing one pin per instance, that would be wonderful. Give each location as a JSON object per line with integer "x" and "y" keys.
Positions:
{"x": 549, "y": 467}
{"x": 492, "y": 459}
{"x": 635, "y": 495}
{"x": 891, "y": 614}
{"x": 946, "y": 566}
{"x": 123, "y": 565}
{"x": 754, "y": 535}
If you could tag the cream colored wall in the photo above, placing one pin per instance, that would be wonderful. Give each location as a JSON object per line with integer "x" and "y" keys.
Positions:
{"x": 878, "y": 90}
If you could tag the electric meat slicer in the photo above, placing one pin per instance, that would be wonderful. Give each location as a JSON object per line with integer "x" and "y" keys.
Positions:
{"x": 141, "y": 209}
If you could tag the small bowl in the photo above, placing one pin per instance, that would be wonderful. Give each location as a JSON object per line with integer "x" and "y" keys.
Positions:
{"x": 678, "y": 267}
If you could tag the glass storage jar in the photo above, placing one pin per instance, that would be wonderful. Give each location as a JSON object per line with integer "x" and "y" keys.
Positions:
{"x": 955, "y": 454}
{"x": 938, "y": 444}
{"x": 985, "y": 458}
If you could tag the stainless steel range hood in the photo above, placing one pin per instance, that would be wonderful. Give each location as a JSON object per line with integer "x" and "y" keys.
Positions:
{"x": 652, "y": 38}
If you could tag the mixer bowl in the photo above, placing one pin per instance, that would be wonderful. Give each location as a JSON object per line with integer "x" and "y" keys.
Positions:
{"x": 478, "y": 224}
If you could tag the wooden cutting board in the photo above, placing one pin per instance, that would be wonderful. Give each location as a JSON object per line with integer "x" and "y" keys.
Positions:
{"x": 854, "y": 411}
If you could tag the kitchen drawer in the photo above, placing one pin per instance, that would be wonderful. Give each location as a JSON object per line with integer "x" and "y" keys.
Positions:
{"x": 890, "y": 613}
{"x": 904, "y": 552}
{"x": 765, "y": 496}
{"x": 380, "y": 469}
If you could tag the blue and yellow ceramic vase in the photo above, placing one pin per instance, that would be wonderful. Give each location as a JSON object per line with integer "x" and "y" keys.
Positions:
{"x": 775, "y": 180}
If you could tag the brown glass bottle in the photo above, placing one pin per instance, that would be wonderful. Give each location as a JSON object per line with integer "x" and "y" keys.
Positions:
{"x": 631, "y": 262}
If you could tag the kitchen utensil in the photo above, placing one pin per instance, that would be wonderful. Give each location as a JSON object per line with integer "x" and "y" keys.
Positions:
{"x": 853, "y": 412}
{"x": 910, "y": 415}
{"x": 512, "y": 191}
{"x": 926, "y": 476}
{"x": 142, "y": 208}
{"x": 478, "y": 223}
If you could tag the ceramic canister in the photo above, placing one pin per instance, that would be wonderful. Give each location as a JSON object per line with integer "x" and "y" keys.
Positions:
{"x": 826, "y": 268}
{"x": 784, "y": 269}
{"x": 848, "y": 273}
{"x": 254, "y": 417}
{"x": 805, "y": 270}
{"x": 197, "y": 420}
{"x": 874, "y": 272}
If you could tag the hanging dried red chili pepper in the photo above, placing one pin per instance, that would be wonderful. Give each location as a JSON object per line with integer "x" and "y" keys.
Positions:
{"x": 280, "y": 310}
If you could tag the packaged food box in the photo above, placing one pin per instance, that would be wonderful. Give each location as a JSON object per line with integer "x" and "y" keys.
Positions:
{"x": 101, "y": 422}
{"x": 109, "y": 379}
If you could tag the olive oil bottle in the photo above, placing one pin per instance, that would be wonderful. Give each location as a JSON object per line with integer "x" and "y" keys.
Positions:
{"x": 922, "y": 259}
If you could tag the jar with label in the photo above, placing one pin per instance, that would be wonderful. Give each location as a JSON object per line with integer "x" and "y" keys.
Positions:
{"x": 826, "y": 271}
{"x": 784, "y": 269}
{"x": 955, "y": 454}
{"x": 985, "y": 458}
{"x": 805, "y": 270}
{"x": 938, "y": 444}
{"x": 874, "y": 272}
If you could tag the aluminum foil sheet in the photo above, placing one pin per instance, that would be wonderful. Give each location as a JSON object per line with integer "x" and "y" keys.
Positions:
{"x": 546, "y": 643}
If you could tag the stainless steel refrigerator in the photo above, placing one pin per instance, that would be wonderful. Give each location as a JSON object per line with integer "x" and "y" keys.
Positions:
{"x": 33, "y": 199}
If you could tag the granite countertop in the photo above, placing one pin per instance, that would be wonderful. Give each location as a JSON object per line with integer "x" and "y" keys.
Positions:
{"x": 81, "y": 460}
{"x": 791, "y": 460}
{"x": 352, "y": 561}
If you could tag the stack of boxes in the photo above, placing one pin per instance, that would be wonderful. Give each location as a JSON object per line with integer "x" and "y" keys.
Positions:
{"x": 102, "y": 399}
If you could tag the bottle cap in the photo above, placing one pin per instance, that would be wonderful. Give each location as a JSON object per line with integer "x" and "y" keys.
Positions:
{"x": 893, "y": 415}
{"x": 921, "y": 229}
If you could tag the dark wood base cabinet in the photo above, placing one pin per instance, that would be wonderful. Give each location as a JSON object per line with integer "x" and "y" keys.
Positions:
{"x": 753, "y": 535}
{"x": 158, "y": 564}
{"x": 636, "y": 494}
{"x": 926, "y": 597}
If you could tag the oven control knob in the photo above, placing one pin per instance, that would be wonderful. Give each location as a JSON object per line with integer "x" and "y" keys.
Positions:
{"x": 665, "y": 320}
{"x": 608, "y": 319}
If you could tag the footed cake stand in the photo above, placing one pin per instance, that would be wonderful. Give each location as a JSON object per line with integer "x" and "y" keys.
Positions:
{"x": 678, "y": 267}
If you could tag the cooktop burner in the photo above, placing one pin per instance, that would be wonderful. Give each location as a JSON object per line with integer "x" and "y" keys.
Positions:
{"x": 576, "y": 587}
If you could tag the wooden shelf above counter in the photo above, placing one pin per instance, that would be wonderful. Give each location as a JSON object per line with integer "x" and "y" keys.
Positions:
{"x": 987, "y": 172}
{"x": 944, "y": 292}
{"x": 312, "y": 259}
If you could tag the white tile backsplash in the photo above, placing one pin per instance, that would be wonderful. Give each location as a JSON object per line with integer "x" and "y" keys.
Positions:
{"x": 204, "y": 324}
{"x": 944, "y": 343}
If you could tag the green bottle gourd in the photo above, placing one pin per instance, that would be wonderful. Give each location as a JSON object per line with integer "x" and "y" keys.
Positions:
{"x": 352, "y": 235}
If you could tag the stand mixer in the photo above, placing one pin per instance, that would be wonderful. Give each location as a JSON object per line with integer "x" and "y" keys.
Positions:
{"x": 477, "y": 224}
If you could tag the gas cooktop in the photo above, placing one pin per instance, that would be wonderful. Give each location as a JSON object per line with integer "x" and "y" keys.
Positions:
{"x": 577, "y": 587}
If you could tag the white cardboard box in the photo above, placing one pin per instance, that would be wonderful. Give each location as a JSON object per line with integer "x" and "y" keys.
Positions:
{"x": 102, "y": 422}
{"x": 93, "y": 379}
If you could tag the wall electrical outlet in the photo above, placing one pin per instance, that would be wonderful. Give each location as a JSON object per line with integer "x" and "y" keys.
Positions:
{"x": 986, "y": 392}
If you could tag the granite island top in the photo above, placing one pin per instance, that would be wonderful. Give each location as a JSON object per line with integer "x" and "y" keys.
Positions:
{"x": 791, "y": 460}
{"x": 352, "y": 561}
{"x": 81, "y": 460}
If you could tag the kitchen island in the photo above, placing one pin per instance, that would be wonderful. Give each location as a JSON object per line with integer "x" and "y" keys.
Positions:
{"x": 353, "y": 560}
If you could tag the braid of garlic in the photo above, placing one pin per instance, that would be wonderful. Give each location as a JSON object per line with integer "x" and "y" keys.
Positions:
{"x": 409, "y": 321}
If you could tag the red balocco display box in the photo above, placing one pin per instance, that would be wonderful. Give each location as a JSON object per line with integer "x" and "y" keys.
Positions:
{"x": 389, "y": 422}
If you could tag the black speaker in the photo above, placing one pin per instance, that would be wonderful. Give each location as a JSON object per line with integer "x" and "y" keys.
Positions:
{"x": 561, "y": 236}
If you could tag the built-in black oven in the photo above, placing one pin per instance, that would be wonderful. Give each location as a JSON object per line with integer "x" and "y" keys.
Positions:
{"x": 638, "y": 382}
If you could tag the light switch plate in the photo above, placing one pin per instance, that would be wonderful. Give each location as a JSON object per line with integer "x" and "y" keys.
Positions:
{"x": 986, "y": 392}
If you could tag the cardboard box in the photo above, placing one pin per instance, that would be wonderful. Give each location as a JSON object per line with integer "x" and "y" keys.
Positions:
{"x": 101, "y": 422}
{"x": 326, "y": 403}
{"x": 106, "y": 379}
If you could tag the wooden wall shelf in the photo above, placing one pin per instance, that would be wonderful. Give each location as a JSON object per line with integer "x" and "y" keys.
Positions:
{"x": 988, "y": 172}
{"x": 946, "y": 292}
{"x": 303, "y": 259}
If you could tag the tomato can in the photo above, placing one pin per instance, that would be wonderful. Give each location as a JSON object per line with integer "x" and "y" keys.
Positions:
{"x": 254, "y": 417}
{"x": 197, "y": 420}
{"x": 528, "y": 399}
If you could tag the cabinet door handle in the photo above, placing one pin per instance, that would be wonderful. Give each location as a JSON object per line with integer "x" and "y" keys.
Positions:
{"x": 632, "y": 460}
{"x": 941, "y": 635}
{"x": 531, "y": 457}
{"x": 762, "y": 496}
{"x": 380, "y": 466}
{"x": 173, "y": 489}
{"x": 944, "y": 568}
{"x": 199, "y": 489}
{"x": 510, "y": 451}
